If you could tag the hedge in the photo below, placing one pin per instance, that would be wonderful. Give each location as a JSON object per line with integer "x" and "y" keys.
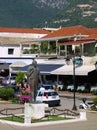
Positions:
{"x": 6, "y": 93}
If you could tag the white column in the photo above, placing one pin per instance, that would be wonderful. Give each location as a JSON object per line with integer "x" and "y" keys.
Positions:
{"x": 56, "y": 47}
{"x": 66, "y": 49}
{"x": 39, "y": 48}
{"x": 20, "y": 49}
{"x": 82, "y": 49}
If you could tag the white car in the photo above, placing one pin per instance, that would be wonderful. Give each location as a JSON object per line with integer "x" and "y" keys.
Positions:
{"x": 49, "y": 97}
{"x": 46, "y": 86}
{"x": 5, "y": 80}
{"x": 8, "y": 80}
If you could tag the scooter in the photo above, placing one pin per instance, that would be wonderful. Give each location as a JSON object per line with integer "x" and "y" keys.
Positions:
{"x": 87, "y": 105}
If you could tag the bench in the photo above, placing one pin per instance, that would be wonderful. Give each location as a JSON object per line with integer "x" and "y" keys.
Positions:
{"x": 81, "y": 88}
{"x": 70, "y": 87}
{"x": 93, "y": 88}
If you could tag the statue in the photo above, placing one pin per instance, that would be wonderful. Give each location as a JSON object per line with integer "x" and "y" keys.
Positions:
{"x": 33, "y": 77}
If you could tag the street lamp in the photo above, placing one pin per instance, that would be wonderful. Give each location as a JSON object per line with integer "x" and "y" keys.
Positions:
{"x": 74, "y": 104}
{"x": 76, "y": 63}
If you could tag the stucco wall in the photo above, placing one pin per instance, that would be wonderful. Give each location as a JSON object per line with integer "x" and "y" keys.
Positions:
{"x": 4, "y": 51}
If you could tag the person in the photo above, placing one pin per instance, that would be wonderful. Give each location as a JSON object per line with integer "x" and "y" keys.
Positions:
{"x": 33, "y": 78}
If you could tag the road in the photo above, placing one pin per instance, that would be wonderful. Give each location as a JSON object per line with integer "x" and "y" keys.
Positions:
{"x": 89, "y": 124}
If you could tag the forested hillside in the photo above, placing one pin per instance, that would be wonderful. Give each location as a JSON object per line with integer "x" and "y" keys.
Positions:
{"x": 48, "y": 13}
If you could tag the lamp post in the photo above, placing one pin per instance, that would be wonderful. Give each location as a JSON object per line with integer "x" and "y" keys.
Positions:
{"x": 79, "y": 63}
{"x": 74, "y": 103}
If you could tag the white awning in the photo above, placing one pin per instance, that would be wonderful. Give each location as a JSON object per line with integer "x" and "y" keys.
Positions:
{"x": 68, "y": 70}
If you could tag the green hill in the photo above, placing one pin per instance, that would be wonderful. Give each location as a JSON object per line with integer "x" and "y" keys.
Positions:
{"x": 23, "y": 13}
{"x": 78, "y": 12}
{"x": 51, "y": 13}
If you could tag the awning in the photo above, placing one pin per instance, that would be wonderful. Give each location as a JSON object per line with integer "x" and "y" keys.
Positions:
{"x": 18, "y": 64}
{"x": 68, "y": 70}
{"x": 4, "y": 66}
{"x": 49, "y": 39}
{"x": 78, "y": 42}
{"x": 44, "y": 68}
{"x": 47, "y": 68}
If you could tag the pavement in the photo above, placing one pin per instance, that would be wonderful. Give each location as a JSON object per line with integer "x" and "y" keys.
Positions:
{"x": 79, "y": 124}
{"x": 78, "y": 95}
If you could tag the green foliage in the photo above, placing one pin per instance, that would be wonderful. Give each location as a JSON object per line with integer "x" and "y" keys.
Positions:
{"x": 14, "y": 119}
{"x": 94, "y": 92}
{"x": 48, "y": 118}
{"x": 6, "y": 93}
{"x": 44, "y": 47}
{"x": 75, "y": 15}
{"x": 20, "y": 77}
{"x": 25, "y": 51}
{"x": 95, "y": 101}
{"x": 25, "y": 13}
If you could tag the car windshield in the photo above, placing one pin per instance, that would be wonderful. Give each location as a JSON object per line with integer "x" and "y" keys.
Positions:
{"x": 47, "y": 86}
{"x": 47, "y": 93}
{"x": 40, "y": 94}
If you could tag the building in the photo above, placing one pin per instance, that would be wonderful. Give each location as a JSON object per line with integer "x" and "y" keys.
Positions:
{"x": 14, "y": 41}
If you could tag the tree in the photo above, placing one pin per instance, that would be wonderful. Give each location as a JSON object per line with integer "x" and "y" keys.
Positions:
{"x": 21, "y": 76}
{"x": 44, "y": 47}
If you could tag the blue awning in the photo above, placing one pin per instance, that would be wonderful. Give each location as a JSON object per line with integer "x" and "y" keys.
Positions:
{"x": 44, "y": 68}
{"x": 47, "y": 68}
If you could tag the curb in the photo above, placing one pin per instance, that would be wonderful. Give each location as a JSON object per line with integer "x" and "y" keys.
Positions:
{"x": 41, "y": 124}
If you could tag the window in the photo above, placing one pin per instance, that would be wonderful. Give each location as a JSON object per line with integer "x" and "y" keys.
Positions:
{"x": 10, "y": 51}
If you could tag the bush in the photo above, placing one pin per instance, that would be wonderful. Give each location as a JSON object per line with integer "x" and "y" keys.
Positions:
{"x": 94, "y": 92}
{"x": 6, "y": 93}
{"x": 95, "y": 101}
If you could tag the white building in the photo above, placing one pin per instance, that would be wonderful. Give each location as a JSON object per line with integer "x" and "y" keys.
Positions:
{"x": 14, "y": 41}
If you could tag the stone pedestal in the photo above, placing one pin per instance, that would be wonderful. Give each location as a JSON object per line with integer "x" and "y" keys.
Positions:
{"x": 34, "y": 111}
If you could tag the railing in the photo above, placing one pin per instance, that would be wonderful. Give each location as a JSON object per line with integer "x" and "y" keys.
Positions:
{"x": 5, "y": 112}
{"x": 65, "y": 112}
{"x": 52, "y": 111}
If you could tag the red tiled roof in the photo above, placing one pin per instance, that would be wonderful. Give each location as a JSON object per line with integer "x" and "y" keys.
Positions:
{"x": 64, "y": 31}
{"x": 24, "y": 30}
{"x": 69, "y": 31}
{"x": 93, "y": 30}
{"x": 93, "y": 36}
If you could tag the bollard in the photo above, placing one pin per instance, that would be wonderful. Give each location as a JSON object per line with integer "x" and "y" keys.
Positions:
{"x": 83, "y": 115}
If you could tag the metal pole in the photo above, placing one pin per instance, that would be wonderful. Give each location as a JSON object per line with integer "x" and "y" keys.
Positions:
{"x": 74, "y": 105}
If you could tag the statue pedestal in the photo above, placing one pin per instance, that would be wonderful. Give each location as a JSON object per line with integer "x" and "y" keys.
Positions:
{"x": 34, "y": 111}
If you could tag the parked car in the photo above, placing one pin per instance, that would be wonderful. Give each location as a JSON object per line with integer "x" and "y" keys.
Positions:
{"x": 50, "y": 97}
{"x": 46, "y": 86}
{"x": 12, "y": 79}
{"x": 7, "y": 80}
